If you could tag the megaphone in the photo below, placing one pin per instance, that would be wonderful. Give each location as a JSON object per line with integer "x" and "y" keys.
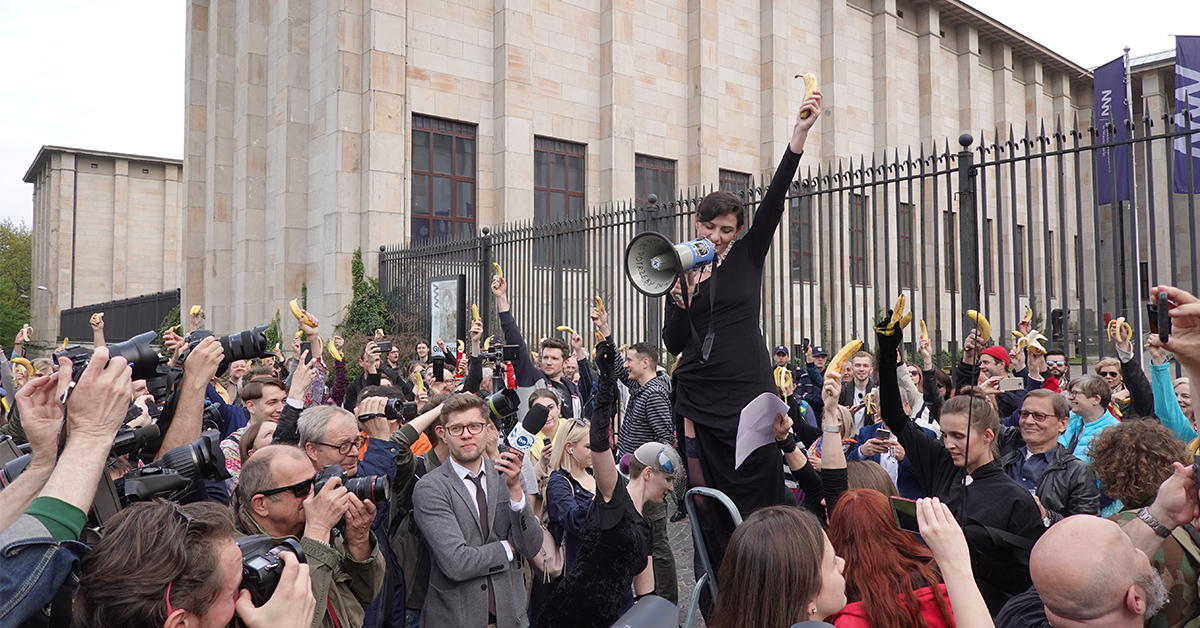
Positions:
{"x": 653, "y": 262}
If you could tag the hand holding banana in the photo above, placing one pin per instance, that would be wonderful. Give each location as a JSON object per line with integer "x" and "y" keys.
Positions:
{"x": 1119, "y": 330}
{"x": 833, "y": 369}
{"x": 783, "y": 377}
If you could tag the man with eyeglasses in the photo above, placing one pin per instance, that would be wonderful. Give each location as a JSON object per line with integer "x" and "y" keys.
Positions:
{"x": 1063, "y": 484}
{"x": 478, "y": 525}
{"x": 276, "y": 498}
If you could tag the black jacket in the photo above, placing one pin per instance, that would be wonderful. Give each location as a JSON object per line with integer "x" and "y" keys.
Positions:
{"x": 1067, "y": 487}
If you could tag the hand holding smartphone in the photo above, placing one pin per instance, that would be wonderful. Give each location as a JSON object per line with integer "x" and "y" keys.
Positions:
{"x": 905, "y": 512}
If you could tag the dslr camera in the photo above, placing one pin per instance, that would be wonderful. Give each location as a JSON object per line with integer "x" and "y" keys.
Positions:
{"x": 262, "y": 564}
{"x": 500, "y": 353}
{"x": 372, "y": 487}
{"x": 245, "y": 345}
{"x": 400, "y": 410}
{"x": 144, "y": 359}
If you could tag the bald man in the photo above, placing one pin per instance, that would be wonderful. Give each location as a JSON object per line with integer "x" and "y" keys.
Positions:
{"x": 1110, "y": 585}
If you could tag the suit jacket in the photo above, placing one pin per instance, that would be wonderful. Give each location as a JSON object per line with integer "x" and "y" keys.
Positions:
{"x": 463, "y": 561}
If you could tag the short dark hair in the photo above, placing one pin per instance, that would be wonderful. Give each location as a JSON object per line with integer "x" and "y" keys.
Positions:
{"x": 555, "y": 343}
{"x": 460, "y": 402}
{"x": 646, "y": 350}
{"x": 721, "y": 203}
{"x": 1062, "y": 409}
{"x": 246, "y": 440}
{"x": 254, "y": 390}
{"x": 391, "y": 392}
{"x": 1056, "y": 351}
{"x": 434, "y": 401}
{"x": 165, "y": 545}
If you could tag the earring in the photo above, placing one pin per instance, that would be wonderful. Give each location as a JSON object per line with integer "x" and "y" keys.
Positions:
{"x": 812, "y": 611}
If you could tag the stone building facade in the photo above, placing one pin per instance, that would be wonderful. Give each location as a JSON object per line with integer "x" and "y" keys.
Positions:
{"x": 105, "y": 227}
{"x": 314, "y": 128}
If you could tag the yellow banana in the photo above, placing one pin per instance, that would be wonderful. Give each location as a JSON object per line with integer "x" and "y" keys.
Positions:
{"x": 566, "y": 329}
{"x": 623, "y": 348}
{"x": 65, "y": 341}
{"x": 783, "y": 377}
{"x": 1022, "y": 341}
{"x": 834, "y": 367}
{"x": 496, "y": 269}
{"x": 174, "y": 327}
{"x": 924, "y": 330}
{"x": 378, "y": 334}
{"x": 810, "y": 86}
{"x": 196, "y": 310}
{"x": 97, "y": 318}
{"x": 300, "y": 334}
{"x": 1028, "y": 314}
{"x": 25, "y": 364}
{"x": 294, "y": 306}
{"x": 333, "y": 352}
{"x": 982, "y": 325}
{"x": 462, "y": 348}
{"x": 277, "y": 349}
{"x": 1033, "y": 340}
{"x": 475, "y": 312}
{"x": 1121, "y": 325}
{"x": 600, "y": 304}
{"x": 487, "y": 344}
{"x": 898, "y": 321}
{"x": 534, "y": 355}
{"x": 418, "y": 382}
{"x": 599, "y": 337}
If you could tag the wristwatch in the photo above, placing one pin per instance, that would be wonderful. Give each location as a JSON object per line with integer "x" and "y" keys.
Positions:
{"x": 1159, "y": 529}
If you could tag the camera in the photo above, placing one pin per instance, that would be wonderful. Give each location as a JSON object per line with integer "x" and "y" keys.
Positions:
{"x": 245, "y": 345}
{"x": 500, "y": 353}
{"x": 145, "y": 361}
{"x": 262, "y": 564}
{"x": 200, "y": 460}
{"x": 129, "y": 440}
{"x": 400, "y": 410}
{"x": 372, "y": 487}
{"x": 14, "y": 459}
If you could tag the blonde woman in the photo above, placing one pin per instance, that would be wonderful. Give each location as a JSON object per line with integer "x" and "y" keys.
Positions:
{"x": 569, "y": 492}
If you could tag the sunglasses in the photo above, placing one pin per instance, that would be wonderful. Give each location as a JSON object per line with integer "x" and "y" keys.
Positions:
{"x": 664, "y": 461}
{"x": 299, "y": 489}
{"x": 1109, "y": 374}
{"x": 1056, "y": 362}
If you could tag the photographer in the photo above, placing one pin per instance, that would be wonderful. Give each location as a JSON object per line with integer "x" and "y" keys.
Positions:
{"x": 276, "y": 497}
{"x": 369, "y": 361}
{"x": 187, "y": 572}
{"x": 553, "y": 353}
{"x": 40, "y": 548}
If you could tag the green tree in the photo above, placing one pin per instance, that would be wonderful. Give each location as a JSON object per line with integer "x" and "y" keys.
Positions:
{"x": 169, "y": 321}
{"x": 16, "y": 277}
{"x": 366, "y": 312}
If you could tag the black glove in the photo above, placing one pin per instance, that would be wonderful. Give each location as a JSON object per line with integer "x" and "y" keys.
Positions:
{"x": 603, "y": 401}
{"x": 606, "y": 360}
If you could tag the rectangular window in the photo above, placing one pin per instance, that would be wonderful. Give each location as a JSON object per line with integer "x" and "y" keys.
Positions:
{"x": 443, "y": 180}
{"x": 948, "y": 241}
{"x": 858, "y": 241}
{"x": 801, "y": 218}
{"x": 735, "y": 182}
{"x": 904, "y": 227}
{"x": 1019, "y": 261}
{"x": 654, "y": 176}
{"x": 559, "y": 180}
{"x": 987, "y": 257}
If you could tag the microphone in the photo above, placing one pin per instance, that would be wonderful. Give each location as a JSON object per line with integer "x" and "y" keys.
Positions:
{"x": 524, "y": 434}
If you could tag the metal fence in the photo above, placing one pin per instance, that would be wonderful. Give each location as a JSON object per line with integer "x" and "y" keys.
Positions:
{"x": 1020, "y": 209}
{"x": 123, "y": 319}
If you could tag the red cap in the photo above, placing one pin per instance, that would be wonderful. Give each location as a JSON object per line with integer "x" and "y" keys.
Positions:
{"x": 997, "y": 352}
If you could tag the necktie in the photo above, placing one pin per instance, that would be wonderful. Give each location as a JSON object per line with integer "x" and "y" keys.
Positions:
{"x": 481, "y": 504}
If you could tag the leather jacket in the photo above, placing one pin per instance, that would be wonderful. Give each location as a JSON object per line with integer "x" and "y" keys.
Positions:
{"x": 1067, "y": 487}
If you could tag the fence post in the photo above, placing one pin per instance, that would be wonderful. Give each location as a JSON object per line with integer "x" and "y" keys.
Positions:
{"x": 485, "y": 279}
{"x": 648, "y": 214}
{"x": 968, "y": 228}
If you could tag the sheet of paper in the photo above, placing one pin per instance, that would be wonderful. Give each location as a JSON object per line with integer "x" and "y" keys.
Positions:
{"x": 756, "y": 427}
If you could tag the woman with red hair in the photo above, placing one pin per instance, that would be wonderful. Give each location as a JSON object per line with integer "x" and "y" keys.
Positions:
{"x": 891, "y": 579}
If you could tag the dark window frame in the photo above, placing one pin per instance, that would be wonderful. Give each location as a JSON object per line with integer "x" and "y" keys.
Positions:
{"x": 734, "y": 181}
{"x": 801, "y": 222}
{"x": 948, "y": 240}
{"x": 558, "y": 198}
{"x": 460, "y": 176}
{"x": 907, "y": 253}
{"x": 647, "y": 165}
{"x": 859, "y": 253}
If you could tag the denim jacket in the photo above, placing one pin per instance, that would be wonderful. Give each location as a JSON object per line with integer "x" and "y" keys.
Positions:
{"x": 33, "y": 567}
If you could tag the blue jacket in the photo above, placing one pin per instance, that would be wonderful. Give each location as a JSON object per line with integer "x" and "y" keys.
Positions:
{"x": 906, "y": 481}
{"x": 235, "y": 418}
{"x": 808, "y": 386}
{"x": 33, "y": 567}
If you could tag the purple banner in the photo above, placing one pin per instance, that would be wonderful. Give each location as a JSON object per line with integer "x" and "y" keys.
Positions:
{"x": 1112, "y": 162}
{"x": 1187, "y": 99}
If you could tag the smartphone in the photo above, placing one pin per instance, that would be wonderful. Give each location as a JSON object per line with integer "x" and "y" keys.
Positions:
{"x": 905, "y": 512}
{"x": 1012, "y": 383}
{"x": 385, "y": 346}
{"x": 883, "y": 433}
{"x": 306, "y": 346}
{"x": 1160, "y": 318}
{"x": 545, "y": 441}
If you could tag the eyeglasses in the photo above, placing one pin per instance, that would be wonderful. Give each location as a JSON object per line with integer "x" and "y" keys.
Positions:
{"x": 1109, "y": 374}
{"x": 1039, "y": 417}
{"x": 471, "y": 428}
{"x": 299, "y": 489}
{"x": 348, "y": 446}
{"x": 1056, "y": 362}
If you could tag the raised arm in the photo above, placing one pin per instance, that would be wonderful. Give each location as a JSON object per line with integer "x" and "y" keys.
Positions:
{"x": 523, "y": 370}
{"x": 604, "y": 468}
{"x": 42, "y": 417}
{"x": 200, "y": 368}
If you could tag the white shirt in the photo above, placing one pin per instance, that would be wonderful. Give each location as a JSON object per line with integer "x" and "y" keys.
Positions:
{"x": 464, "y": 474}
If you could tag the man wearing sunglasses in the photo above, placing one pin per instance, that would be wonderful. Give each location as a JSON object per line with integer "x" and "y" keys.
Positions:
{"x": 275, "y": 497}
{"x": 1056, "y": 364}
{"x": 1031, "y": 454}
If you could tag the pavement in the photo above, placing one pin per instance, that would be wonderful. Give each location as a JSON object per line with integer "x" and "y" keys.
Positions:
{"x": 680, "y": 535}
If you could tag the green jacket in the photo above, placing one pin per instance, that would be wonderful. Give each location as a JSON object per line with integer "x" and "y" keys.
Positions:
{"x": 336, "y": 577}
{"x": 1178, "y": 562}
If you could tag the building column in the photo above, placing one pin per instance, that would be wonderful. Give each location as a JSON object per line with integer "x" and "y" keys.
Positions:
{"x": 249, "y": 165}
{"x": 617, "y": 126}
{"x": 192, "y": 230}
{"x": 388, "y": 122}
{"x": 969, "y": 78}
{"x": 929, "y": 82}
{"x": 884, "y": 53}
{"x": 120, "y": 244}
{"x": 704, "y": 141}
{"x": 834, "y": 81}
{"x": 776, "y": 117}
{"x": 218, "y": 204}
{"x": 170, "y": 253}
{"x": 512, "y": 84}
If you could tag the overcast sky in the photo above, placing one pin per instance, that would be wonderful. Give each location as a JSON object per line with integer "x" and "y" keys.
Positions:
{"x": 108, "y": 75}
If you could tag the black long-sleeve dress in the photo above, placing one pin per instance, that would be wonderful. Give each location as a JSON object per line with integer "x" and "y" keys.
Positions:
{"x": 713, "y": 393}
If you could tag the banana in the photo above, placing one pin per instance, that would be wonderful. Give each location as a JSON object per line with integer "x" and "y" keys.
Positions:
{"x": 25, "y": 364}
{"x": 600, "y": 304}
{"x": 277, "y": 350}
{"x": 64, "y": 344}
{"x": 898, "y": 321}
{"x": 599, "y": 337}
{"x": 1022, "y": 341}
{"x": 496, "y": 269}
{"x": 462, "y": 348}
{"x": 196, "y": 310}
{"x": 983, "y": 326}
{"x": 623, "y": 348}
{"x": 1028, "y": 314}
{"x": 924, "y": 330}
{"x": 834, "y": 367}
{"x": 810, "y": 86}
{"x": 566, "y": 329}
{"x": 294, "y": 306}
{"x": 97, "y": 318}
{"x": 1121, "y": 325}
{"x": 534, "y": 355}
{"x": 300, "y": 334}
{"x": 783, "y": 377}
{"x": 174, "y": 327}
{"x": 475, "y": 312}
{"x": 487, "y": 344}
{"x": 378, "y": 334}
{"x": 418, "y": 383}
{"x": 1033, "y": 340}
{"x": 333, "y": 352}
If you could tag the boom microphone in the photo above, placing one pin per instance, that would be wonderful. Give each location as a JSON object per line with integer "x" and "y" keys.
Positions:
{"x": 653, "y": 262}
{"x": 524, "y": 434}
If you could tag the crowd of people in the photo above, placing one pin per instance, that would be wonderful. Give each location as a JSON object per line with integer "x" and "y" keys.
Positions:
{"x": 895, "y": 494}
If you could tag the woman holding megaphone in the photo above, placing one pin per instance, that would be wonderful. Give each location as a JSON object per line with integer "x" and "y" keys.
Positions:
{"x": 722, "y": 371}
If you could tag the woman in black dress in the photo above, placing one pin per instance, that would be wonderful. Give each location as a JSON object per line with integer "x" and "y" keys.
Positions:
{"x": 725, "y": 300}
{"x": 616, "y": 539}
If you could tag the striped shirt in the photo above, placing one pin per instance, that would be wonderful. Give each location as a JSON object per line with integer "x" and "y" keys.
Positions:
{"x": 648, "y": 415}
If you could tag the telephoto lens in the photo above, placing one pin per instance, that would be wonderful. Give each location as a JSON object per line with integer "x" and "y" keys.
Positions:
{"x": 372, "y": 487}
{"x": 199, "y": 460}
{"x": 262, "y": 564}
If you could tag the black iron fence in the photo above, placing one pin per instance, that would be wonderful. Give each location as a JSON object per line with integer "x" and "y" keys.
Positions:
{"x": 123, "y": 319}
{"x": 1021, "y": 211}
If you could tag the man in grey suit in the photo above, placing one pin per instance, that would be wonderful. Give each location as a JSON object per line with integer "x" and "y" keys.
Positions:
{"x": 478, "y": 526}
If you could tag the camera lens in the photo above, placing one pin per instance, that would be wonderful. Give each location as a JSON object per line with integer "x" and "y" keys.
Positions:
{"x": 142, "y": 357}
{"x": 246, "y": 345}
{"x": 372, "y": 487}
{"x": 198, "y": 460}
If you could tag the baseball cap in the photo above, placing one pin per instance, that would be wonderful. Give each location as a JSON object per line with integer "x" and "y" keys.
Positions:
{"x": 998, "y": 353}
{"x": 782, "y": 349}
{"x": 819, "y": 351}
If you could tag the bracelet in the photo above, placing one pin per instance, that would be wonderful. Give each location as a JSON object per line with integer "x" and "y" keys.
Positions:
{"x": 832, "y": 429}
{"x": 1147, "y": 518}
{"x": 787, "y": 445}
